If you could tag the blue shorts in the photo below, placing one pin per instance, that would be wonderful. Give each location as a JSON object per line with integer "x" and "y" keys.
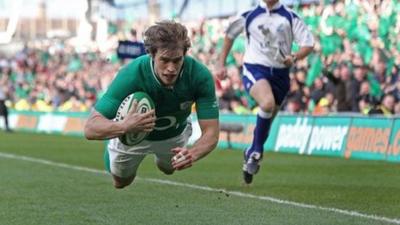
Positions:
{"x": 278, "y": 78}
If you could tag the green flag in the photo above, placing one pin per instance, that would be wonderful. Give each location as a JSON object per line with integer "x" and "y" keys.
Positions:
{"x": 389, "y": 66}
{"x": 330, "y": 43}
{"x": 315, "y": 70}
{"x": 364, "y": 49}
{"x": 374, "y": 86}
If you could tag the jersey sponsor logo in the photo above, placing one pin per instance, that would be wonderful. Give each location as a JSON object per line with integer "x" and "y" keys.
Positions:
{"x": 165, "y": 122}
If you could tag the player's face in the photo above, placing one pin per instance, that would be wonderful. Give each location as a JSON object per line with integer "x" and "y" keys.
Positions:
{"x": 167, "y": 65}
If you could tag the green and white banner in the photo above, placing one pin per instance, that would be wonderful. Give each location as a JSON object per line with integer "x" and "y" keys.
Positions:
{"x": 340, "y": 136}
{"x": 373, "y": 138}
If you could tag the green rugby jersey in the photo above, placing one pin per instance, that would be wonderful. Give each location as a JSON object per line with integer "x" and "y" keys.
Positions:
{"x": 195, "y": 84}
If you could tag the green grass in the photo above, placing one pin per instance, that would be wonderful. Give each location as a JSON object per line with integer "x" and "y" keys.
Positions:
{"x": 37, "y": 193}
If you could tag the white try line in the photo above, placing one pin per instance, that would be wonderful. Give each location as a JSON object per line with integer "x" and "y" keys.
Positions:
{"x": 205, "y": 188}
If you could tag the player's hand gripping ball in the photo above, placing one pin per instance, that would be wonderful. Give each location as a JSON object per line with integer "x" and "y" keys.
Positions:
{"x": 145, "y": 104}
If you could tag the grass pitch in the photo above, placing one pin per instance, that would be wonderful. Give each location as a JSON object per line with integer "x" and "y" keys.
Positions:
{"x": 53, "y": 179}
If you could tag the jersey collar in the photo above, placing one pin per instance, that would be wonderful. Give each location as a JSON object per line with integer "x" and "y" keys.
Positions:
{"x": 153, "y": 72}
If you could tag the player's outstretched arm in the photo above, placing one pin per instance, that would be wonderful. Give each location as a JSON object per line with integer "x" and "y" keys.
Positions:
{"x": 97, "y": 127}
{"x": 185, "y": 157}
{"x": 220, "y": 69}
{"x": 233, "y": 30}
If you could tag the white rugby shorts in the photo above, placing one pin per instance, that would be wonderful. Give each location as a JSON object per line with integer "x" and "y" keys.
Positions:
{"x": 123, "y": 160}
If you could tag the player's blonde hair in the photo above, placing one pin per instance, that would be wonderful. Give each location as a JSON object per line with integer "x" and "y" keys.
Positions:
{"x": 166, "y": 34}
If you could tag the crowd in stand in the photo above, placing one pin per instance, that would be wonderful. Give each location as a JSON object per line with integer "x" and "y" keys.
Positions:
{"x": 354, "y": 67}
{"x": 51, "y": 79}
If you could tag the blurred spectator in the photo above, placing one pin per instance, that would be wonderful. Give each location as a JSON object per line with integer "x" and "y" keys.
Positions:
{"x": 359, "y": 77}
{"x": 294, "y": 104}
{"x": 325, "y": 105}
{"x": 387, "y": 107}
{"x": 341, "y": 79}
{"x": 318, "y": 90}
{"x": 3, "y": 98}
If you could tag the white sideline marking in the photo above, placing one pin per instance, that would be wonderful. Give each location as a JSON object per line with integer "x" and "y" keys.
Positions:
{"x": 205, "y": 188}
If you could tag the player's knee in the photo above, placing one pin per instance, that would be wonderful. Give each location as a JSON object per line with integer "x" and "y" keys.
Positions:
{"x": 267, "y": 106}
{"x": 120, "y": 183}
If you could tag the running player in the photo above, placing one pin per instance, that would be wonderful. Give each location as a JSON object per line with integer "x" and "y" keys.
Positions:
{"x": 270, "y": 30}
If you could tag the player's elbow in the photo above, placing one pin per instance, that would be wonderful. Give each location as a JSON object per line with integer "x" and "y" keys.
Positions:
{"x": 88, "y": 132}
{"x": 89, "y": 129}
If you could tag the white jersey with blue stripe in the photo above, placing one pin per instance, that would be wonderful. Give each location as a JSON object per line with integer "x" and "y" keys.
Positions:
{"x": 270, "y": 34}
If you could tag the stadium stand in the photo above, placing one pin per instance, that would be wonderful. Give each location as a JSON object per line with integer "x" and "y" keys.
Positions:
{"x": 355, "y": 65}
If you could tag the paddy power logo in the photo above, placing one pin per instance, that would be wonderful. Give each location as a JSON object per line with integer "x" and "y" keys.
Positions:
{"x": 308, "y": 137}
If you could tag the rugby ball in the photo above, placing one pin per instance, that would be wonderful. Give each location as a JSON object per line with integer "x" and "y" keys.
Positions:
{"x": 145, "y": 104}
